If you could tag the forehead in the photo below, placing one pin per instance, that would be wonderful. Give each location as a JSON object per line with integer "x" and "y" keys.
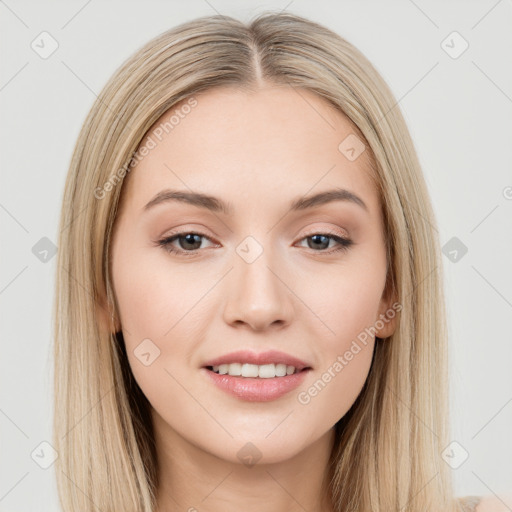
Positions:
{"x": 278, "y": 142}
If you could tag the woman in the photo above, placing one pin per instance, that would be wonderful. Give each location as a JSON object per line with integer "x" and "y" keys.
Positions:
{"x": 249, "y": 309}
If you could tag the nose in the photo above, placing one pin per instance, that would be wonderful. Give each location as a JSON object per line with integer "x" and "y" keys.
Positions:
{"x": 258, "y": 295}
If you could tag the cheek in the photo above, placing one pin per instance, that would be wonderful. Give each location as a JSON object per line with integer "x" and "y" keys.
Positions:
{"x": 162, "y": 316}
{"x": 345, "y": 301}
{"x": 344, "y": 355}
{"x": 335, "y": 386}
{"x": 154, "y": 299}
{"x": 346, "y": 307}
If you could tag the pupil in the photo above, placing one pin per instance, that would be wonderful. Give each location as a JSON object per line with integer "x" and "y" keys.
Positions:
{"x": 189, "y": 239}
{"x": 325, "y": 240}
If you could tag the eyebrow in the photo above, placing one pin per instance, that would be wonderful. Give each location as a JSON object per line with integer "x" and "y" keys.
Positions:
{"x": 215, "y": 204}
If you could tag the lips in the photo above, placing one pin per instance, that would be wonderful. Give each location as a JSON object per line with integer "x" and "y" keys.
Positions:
{"x": 268, "y": 357}
{"x": 256, "y": 389}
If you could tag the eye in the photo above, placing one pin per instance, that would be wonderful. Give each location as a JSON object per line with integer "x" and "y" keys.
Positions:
{"x": 320, "y": 241}
{"x": 188, "y": 240}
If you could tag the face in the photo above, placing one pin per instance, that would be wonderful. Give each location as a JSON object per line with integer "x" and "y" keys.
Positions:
{"x": 197, "y": 279}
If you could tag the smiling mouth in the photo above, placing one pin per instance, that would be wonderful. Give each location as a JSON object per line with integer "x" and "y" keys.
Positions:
{"x": 254, "y": 371}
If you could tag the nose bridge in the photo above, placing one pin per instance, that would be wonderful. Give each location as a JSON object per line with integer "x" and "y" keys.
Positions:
{"x": 257, "y": 293}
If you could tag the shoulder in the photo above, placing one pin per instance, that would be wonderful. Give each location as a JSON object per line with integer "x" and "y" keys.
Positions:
{"x": 493, "y": 504}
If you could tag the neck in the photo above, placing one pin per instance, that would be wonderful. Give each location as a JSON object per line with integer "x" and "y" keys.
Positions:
{"x": 193, "y": 479}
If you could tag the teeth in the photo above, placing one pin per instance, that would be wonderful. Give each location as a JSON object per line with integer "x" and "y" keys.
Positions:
{"x": 264, "y": 371}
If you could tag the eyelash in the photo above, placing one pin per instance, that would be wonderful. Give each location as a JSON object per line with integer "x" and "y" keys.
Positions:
{"x": 344, "y": 243}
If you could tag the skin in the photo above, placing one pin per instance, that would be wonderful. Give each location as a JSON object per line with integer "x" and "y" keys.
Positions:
{"x": 491, "y": 503}
{"x": 258, "y": 151}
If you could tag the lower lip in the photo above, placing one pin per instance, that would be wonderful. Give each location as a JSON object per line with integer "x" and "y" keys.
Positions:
{"x": 257, "y": 389}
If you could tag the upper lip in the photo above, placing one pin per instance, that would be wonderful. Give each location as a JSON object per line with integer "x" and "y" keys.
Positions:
{"x": 246, "y": 356}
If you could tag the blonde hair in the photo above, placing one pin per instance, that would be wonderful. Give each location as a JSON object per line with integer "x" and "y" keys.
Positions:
{"x": 387, "y": 452}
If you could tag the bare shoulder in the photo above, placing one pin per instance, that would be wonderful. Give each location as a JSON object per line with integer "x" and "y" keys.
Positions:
{"x": 493, "y": 504}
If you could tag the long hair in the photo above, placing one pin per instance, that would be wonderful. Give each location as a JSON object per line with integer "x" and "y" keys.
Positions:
{"x": 387, "y": 451}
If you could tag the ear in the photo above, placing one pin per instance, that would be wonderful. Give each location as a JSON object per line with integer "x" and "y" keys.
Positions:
{"x": 107, "y": 319}
{"x": 386, "y": 322}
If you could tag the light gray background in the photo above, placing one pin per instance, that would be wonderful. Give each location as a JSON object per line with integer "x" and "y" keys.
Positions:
{"x": 459, "y": 111}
